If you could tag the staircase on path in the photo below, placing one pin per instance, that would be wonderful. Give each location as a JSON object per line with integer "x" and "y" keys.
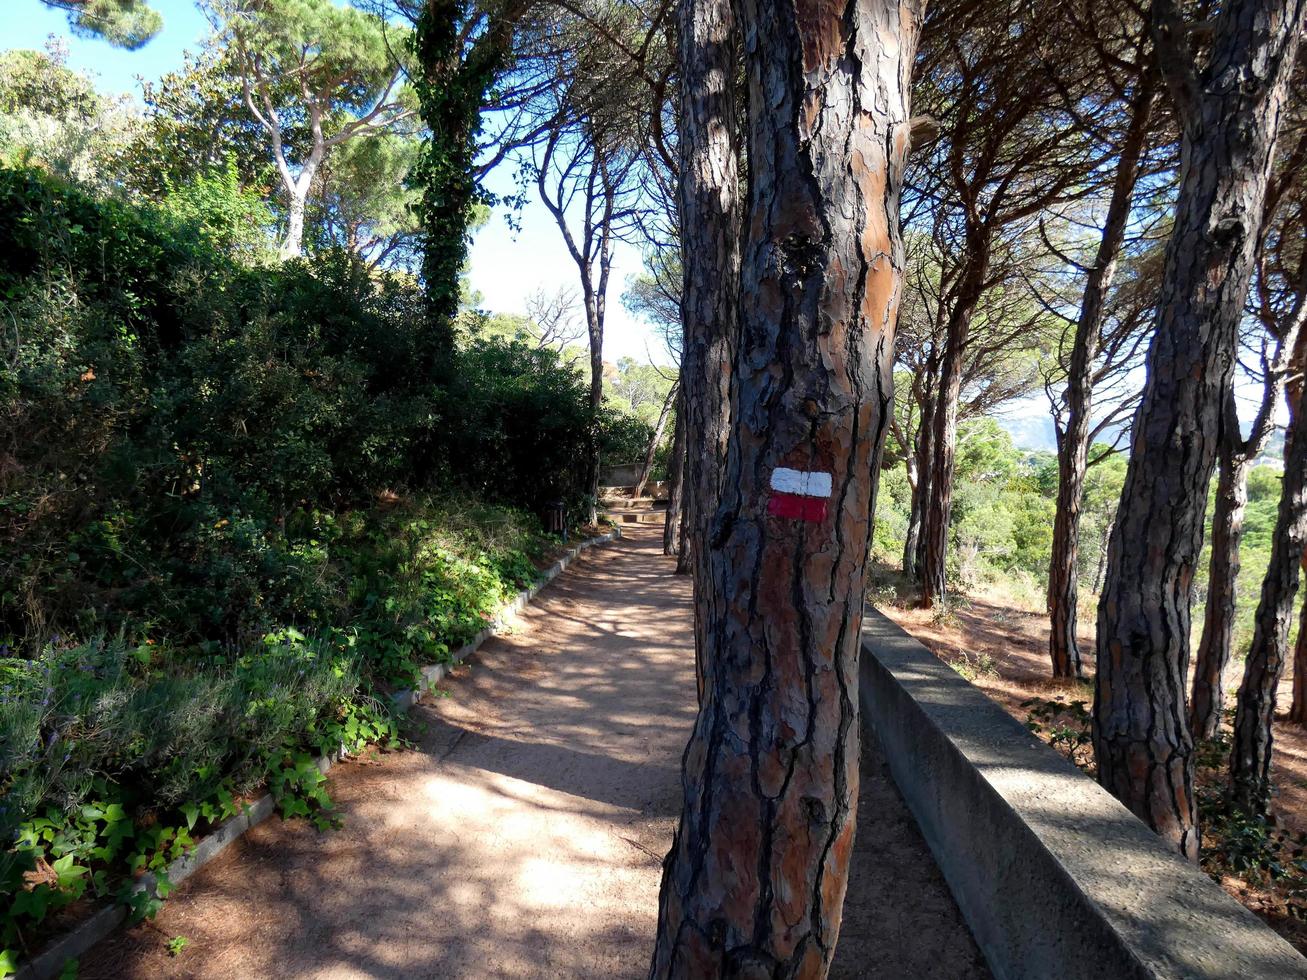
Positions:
{"x": 620, "y": 506}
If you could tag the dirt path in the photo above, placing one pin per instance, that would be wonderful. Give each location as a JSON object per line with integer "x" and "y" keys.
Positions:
{"x": 524, "y": 838}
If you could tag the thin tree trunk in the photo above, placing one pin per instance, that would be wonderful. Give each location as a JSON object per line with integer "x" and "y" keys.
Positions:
{"x": 1250, "y": 756}
{"x": 944, "y": 438}
{"x": 1208, "y": 698}
{"x": 1100, "y": 572}
{"x": 646, "y": 467}
{"x": 912, "y": 544}
{"x": 1237, "y": 454}
{"x": 675, "y": 481}
{"x": 1298, "y": 710}
{"x": 297, "y": 194}
{"x": 1230, "y": 111}
{"x": 913, "y": 531}
{"x": 710, "y": 266}
{"x": 684, "y": 548}
{"x": 595, "y": 331}
{"x": 754, "y": 884}
{"x": 1073, "y": 446}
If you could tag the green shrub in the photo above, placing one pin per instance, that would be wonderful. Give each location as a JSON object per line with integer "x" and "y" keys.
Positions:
{"x": 623, "y": 438}
{"x": 237, "y": 507}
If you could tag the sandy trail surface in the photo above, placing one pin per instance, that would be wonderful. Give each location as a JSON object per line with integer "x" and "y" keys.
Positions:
{"x": 524, "y": 836}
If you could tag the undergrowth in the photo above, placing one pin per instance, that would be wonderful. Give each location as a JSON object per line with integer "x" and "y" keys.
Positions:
{"x": 118, "y": 752}
{"x": 239, "y": 507}
{"x": 1237, "y": 843}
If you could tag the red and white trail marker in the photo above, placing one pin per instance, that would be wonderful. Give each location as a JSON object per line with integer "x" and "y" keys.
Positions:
{"x": 799, "y": 494}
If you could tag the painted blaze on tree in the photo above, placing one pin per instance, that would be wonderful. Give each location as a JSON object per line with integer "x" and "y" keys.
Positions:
{"x": 755, "y": 881}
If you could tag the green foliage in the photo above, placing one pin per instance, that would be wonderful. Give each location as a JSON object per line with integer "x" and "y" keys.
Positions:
{"x": 623, "y": 437}
{"x": 52, "y": 117}
{"x": 338, "y": 51}
{"x": 1243, "y": 843}
{"x": 230, "y": 217}
{"x": 1004, "y": 504}
{"x": 234, "y": 514}
{"x": 366, "y": 204}
{"x": 126, "y": 24}
{"x": 972, "y": 665}
{"x": 453, "y": 81}
{"x": 195, "y": 120}
{"x": 523, "y": 422}
{"x": 1065, "y": 725}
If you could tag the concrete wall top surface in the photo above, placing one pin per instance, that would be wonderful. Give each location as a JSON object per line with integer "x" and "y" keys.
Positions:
{"x": 1050, "y": 870}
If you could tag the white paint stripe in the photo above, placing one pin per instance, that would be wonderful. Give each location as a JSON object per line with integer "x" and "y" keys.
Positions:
{"x": 785, "y": 480}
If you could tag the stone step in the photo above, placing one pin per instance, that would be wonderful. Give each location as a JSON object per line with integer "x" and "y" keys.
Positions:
{"x": 631, "y": 516}
{"x": 621, "y": 497}
{"x": 644, "y": 503}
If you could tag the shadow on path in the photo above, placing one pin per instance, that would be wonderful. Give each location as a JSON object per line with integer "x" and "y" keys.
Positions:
{"x": 524, "y": 837}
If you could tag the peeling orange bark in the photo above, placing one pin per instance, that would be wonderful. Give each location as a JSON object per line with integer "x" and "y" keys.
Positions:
{"x": 755, "y": 881}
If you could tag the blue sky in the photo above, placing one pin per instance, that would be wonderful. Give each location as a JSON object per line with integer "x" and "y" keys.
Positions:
{"x": 506, "y": 266}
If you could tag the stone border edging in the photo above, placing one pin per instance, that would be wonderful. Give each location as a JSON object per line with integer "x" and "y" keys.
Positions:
{"x": 1053, "y": 875}
{"x": 49, "y": 963}
{"x": 433, "y": 674}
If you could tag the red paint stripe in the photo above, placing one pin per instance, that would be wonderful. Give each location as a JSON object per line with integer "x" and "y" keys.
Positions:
{"x": 796, "y": 507}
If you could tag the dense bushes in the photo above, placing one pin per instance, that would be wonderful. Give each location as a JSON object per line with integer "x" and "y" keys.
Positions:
{"x": 174, "y": 419}
{"x": 237, "y": 505}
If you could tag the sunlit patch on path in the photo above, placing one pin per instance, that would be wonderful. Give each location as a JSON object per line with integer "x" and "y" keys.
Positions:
{"x": 524, "y": 837}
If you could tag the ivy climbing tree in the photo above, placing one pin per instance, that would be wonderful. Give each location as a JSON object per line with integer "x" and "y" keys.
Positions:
{"x": 461, "y": 50}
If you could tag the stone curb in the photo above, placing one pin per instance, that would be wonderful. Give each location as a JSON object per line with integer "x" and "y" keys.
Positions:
{"x": 1053, "y": 875}
{"x": 49, "y": 963}
{"x": 433, "y": 674}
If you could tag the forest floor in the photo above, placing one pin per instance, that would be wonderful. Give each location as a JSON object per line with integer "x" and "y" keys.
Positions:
{"x": 523, "y": 836}
{"x": 1002, "y": 648}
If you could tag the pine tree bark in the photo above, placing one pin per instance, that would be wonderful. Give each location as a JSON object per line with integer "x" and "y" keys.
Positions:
{"x": 920, "y": 490}
{"x": 710, "y": 265}
{"x": 944, "y": 437}
{"x": 1238, "y": 452}
{"x": 710, "y": 243}
{"x": 754, "y": 884}
{"x": 675, "y": 479}
{"x": 1073, "y": 444}
{"x": 1250, "y": 755}
{"x": 1230, "y": 110}
{"x": 1298, "y": 709}
{"x": 1208, "y": 699}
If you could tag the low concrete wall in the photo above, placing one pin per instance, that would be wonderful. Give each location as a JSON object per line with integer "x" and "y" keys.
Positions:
{"x": 1054, "y": 876}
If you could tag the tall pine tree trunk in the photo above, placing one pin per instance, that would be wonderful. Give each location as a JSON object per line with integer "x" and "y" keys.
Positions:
{"x": 1250, "y": 756}
{"x": 675, "y": 480}
{"x": 754, "y": 884}
{"x": 1229, "y": 109}
{"x": 710, "y": 266}
{"x": 1208, "y": 698}
{"x": 595, "y": 332}
{"x": 938, "y": 512}
{"x": 920, "y": 489}
{"x": 1073, "y": 444}
{"x": 1298, "y": 710}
